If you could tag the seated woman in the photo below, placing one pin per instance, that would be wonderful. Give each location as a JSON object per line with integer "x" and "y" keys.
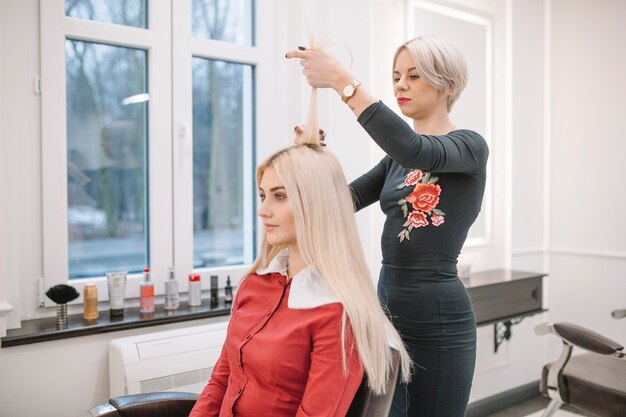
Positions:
{"x": 306, "y": 322}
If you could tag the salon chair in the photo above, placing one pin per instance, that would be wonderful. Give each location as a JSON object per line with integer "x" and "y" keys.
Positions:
{"x": 592, "y": 382}
{"x": 161, "y": 404}
{"x": 179, "y": 404}
{"x": 368, "y": 404}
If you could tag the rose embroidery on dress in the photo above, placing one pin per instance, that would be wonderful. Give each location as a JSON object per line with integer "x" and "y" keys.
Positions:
{"x": 422, "y": 200}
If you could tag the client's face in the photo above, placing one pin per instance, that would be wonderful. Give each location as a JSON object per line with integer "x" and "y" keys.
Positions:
{"x": 275, "y": 210}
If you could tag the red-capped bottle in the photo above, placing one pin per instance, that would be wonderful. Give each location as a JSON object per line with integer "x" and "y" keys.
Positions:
{"x": 146, "y": 293}
{"x": 195, "y": 290}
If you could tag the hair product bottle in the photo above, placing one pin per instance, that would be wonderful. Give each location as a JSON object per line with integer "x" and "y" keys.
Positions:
{"x": 171, "y": 290}
{"x": 214, "y": 299}
{"x": 90, "y": 303}
{"x": 195, "y": 290}
{"x": 146, "y": 293}
{"x": 228, "y": 293}
{"x": 117, "y": 292}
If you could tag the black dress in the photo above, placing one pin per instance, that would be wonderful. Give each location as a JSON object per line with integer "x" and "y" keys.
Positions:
{"x": 430, "y": 189}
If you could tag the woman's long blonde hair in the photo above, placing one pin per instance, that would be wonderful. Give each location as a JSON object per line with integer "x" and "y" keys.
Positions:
{"x": 327, "y": 237}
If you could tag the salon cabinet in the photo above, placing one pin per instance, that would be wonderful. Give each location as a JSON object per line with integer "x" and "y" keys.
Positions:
{"x": 499, "y": 295}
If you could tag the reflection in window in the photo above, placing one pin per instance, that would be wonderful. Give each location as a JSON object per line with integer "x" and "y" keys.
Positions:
{"x": 106, "y": 158}
{"x": 222, "y": 118}
{"x": 224, "y": 20}
{"x": 126, "y": 12}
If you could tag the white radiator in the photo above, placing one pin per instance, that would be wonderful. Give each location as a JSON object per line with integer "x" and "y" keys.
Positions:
{"x": 173, "y": 360}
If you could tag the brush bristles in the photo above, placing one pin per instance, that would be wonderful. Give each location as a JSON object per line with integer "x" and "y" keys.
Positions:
{"x": 62, "y": 294}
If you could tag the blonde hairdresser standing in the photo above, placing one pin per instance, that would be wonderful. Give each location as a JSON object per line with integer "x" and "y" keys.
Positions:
{"x": 430, "y": 186}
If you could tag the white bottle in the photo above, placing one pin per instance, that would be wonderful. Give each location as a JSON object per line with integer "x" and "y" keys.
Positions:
{"x": 195, "y": 290}
{"x": 171, "y": 290}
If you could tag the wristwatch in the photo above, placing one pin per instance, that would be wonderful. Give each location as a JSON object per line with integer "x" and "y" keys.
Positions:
{"x": 349, "y": 90}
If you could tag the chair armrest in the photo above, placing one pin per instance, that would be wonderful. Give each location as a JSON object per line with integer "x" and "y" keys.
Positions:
{"x": 583, "y": 338}
{"x": 619, "y": 314}
{"x": 170, "y": 404}
{"x": 572, "y": 335}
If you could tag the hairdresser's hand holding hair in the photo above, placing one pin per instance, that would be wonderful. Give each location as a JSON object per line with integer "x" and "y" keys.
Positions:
{"x": 323, "y": 70}
{"x": 300, "y": 138}
{"x": 430, "y": 186}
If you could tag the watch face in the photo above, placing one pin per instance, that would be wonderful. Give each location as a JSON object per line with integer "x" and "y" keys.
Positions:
{"x": 348, "y": 90}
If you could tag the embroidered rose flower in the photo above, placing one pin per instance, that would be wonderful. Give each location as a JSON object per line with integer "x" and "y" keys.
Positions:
{"x": 425, "y": 197}
{"x": 437, "y": 220}
{"x": 417, "y": 219}
{"x": 413, "y": 178}
{"x": 420, "y": 203}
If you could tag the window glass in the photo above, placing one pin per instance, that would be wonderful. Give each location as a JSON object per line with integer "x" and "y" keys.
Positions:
{"x": 224, "y": 20}
{"x": 120, "y": 12}
{"x": 222, "y": 122}
{"x": 107, "y": 171}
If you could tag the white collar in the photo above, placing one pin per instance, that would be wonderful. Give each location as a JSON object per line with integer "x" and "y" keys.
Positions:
{"x": 308, "y": 289}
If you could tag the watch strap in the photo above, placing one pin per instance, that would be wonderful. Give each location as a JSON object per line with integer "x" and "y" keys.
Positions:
{"x": 355, "y": 84}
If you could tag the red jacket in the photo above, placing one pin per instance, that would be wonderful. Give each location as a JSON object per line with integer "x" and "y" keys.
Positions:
{"x": 282, "y": 360}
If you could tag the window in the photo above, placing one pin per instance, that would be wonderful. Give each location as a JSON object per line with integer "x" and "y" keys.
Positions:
{"x": 224, "y": 20}
{"x": 107, "y": 168}
{"x": 220, "y": 122}
{"x": 129, "y": 12}
{"x": 149, "y": 111}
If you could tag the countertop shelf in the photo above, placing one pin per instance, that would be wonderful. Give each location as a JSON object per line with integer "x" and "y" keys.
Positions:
{"x": 496, "y": 295}
{"x": 45, "y": 329}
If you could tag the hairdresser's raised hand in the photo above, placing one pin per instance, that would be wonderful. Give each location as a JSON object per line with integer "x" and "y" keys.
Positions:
{"x": 299, "y": 138}
{"x": 322, "y": 70}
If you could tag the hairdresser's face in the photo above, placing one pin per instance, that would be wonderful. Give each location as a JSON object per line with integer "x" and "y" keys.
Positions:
{"x": 416, "y": 98}
{"x": 275, "y": 210}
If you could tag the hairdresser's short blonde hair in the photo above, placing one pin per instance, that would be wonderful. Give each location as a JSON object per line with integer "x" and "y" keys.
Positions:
{"x": 439, "y": 63}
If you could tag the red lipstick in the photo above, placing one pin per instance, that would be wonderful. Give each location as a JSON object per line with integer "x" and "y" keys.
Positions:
{"x": 403, "y": 100}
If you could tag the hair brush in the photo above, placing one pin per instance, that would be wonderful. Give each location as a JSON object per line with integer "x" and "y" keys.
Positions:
{"x": 62, "y": 294}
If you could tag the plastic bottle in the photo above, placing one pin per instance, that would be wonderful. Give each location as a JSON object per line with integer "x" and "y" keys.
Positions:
{"x": 195, "y": 290}
{"x": 90, "y": 303}
{"x": 171, "y": 290}
{"x": 146, "y": 293}
{"x": 214, "y": 298}
{"x": 117, "y": 292}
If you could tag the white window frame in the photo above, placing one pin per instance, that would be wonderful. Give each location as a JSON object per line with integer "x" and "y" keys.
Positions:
{"x": 186, "y": 47}
{"x": 166, "y": 40}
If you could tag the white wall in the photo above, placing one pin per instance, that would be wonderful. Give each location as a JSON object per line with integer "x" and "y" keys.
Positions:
{"x": 21, "y": 196}
{"x": 587, "y": 230}
{"x": 3, "y": 212}
{"x": 568, "y": 166}
{"x": 529, "y": 179}
{"x": 567, "y": 97}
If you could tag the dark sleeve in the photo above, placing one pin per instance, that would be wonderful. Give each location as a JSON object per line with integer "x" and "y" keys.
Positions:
{"x": 366, "y": 189}
{"x": 459, "y": 151}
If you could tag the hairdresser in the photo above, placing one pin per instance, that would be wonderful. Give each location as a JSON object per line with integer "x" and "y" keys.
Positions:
{"x": 430, "y": 186}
